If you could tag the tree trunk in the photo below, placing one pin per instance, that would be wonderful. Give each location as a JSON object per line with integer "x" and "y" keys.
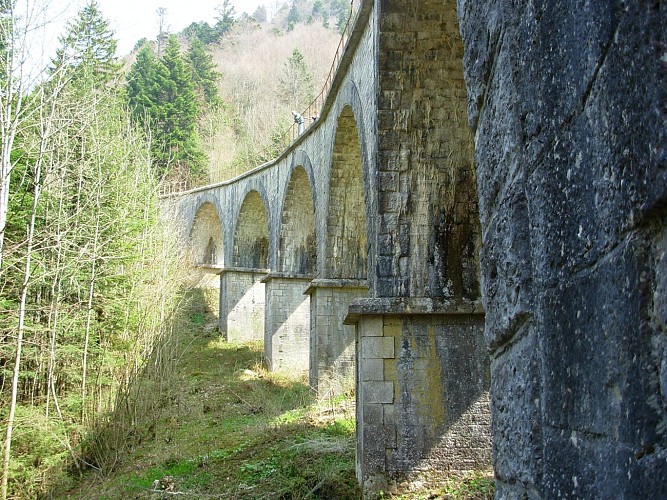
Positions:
{"x": 21, "y": 328}
{"x": 89, "y": 314}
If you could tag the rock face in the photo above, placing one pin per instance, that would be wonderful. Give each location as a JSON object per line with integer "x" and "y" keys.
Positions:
{"x": 568, "y": 102}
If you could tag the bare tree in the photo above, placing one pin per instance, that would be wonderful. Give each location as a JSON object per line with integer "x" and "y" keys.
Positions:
{"x": 20, "y": 71}
{"x": 162, "y": 29}
{"x": 46, "y": 124}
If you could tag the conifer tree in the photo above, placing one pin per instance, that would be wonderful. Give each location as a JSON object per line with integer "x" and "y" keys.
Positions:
{"x": 204, "y": 75}
{"x": 181, "y": 109}
{"x": 295, "y": 86}
{"x": 162, "y": 98}
{"x": 88, "y": 47}
{"x": 293, "y": 16}
{"x": 202, "y": 31}
{"x": 144, "y": 83}
{"x": 225, "y": 18}
{"x": 260, "y": 15}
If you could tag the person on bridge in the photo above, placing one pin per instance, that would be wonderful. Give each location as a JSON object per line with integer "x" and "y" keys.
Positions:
{"x": 298, "y": 119}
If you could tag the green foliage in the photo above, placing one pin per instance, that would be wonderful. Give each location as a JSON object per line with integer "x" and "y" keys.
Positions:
{"x": 341, "y": 10}
{"x": 88, "y": 48}
{"x": 143, "y": 86}
{"x": 318, "y": 9}
{"x": 140, "y": 43}
{"x": 162, "y": 98}
{"x": 236, "y": 434}
{"x": 225, "y": 18}
{"x": 293, "y": 16}
{"x": 210, "y": 35}
{"x": 203, "y": 32}
{"x": 38, "y": 446}
{"x": 475, "y": 485}
{"x": 295, "y": 87}
{"x": 186, "y": 473}
{"x": 89, "y": 235}
{"x": 260, "y": 15}
{"x": 204, "y": 75}
{"x": 198, "y": 318}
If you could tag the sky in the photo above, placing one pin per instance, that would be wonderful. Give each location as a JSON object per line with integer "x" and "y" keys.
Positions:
{"x": 132, "y": 20}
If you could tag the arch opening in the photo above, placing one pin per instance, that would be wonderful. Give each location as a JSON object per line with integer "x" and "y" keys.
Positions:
{"x": 206, "y": 242}
{"x": 346, "y": 220}
{"x": 297, "y": 229}
{"x": 251, "y": 238}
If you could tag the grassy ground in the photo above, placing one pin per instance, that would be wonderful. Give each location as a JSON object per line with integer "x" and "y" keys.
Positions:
{"x": 233, "y": 430}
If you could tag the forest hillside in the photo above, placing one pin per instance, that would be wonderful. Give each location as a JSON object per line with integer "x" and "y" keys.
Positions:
{"x": 263, "y": 68}
{"x": 265, "y": 75}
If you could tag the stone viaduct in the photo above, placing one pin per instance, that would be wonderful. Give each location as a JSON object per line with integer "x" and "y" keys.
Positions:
{"x": 480, "y": 209}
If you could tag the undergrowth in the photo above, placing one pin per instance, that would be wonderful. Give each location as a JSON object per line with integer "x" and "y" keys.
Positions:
{"x": 230, "y": 429}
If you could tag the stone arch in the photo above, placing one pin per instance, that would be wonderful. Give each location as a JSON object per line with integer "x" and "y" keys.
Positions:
{"x": 206, "y": 241}
{"x": 251, "y": 237}
{"x": 297, "y": 249}
{"x": 347, "y": 239}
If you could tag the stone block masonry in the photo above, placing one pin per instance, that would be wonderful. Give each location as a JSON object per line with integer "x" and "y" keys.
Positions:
{"x": 332, "y": 343}
{"x": 429, "y": 235}
{"x": 287, "y": 323}
{"x": 569, "y": 110}
{"x": 422, "y": 390}
{"x": 242, "y": 304}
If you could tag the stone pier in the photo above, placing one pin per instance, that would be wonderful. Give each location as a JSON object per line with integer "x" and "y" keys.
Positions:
{"x": 287, "y": 322}
{"x": 332, "y": 348}
{"x": 422, "y": 389}
{"x": 242, "y": 304}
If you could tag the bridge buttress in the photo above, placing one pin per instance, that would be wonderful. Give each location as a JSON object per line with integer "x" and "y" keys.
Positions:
{"x": 422, "y": 366}
{"x": 242, "y": 296}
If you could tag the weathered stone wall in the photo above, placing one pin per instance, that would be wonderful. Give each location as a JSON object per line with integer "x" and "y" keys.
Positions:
{"x": 251, "y": 238}
{"x": 429, "y": 236}
{"x": 422, "y": 392}
{"x": 332, "y": 351}
{"x": 346, "y": 224}
{"x": 242, "y": 301}
{"x": 287, "y": 323}
{"x": 568, "y": 102}
{"x": 422, "y": 402}
{"x": 206, "y": 245}
{"x": 297, "y": 252}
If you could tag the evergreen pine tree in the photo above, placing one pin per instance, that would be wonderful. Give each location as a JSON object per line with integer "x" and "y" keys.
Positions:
{"x": 181, "y": 102}
{"x": 162, "y": 97}
{"x": 260, "y": 15}
{"x": 88, "y": 47}
{"x": 204, "y": 75}
{"x": 144, "y": 81}
{"x": 295, "y": 86}
{"x": 225, "y": 18}
{"x": 293, "y": 16}
{"x": 318, "y": 9}
{"x": 202, "y": 31}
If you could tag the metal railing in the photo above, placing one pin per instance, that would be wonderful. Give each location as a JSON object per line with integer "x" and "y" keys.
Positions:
{"x": 310, "y": 115}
